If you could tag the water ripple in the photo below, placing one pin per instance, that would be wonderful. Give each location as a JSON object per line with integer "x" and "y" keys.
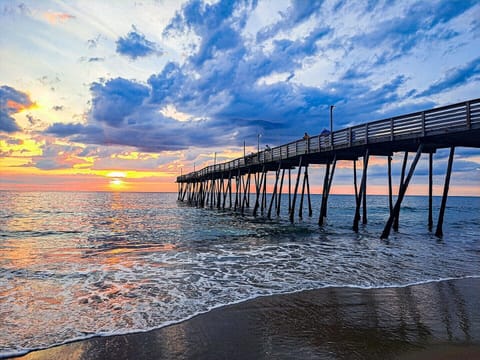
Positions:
{"x": 73, "y": 265}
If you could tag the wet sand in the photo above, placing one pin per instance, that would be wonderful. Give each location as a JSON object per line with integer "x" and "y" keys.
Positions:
{"x": 438, "y": 320}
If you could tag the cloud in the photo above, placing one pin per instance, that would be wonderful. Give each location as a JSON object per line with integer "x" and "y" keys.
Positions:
{"x": 135, "y": 45}
{"x": 400, "y": 35}
{"x": 454, "y": 78}
{"x": 299, "y": 12}
{"x": 57, "y": 17}
{"x": 116, "y": 99}
{"x": 233, "y": 85}
{"x": 12, "y": 10}
{"x": 11, "y": 102}
{"x": 93, "y": 43}
{"x": 91, "y": 59}
{"x": 55, "y": 156}
{"x": 215, "y": 24}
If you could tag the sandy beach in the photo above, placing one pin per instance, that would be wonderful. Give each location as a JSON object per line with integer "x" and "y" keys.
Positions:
{"x": 437, "y": 320}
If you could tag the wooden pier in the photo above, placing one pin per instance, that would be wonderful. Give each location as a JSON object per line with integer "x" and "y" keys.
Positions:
{"x": 229, "y": 184}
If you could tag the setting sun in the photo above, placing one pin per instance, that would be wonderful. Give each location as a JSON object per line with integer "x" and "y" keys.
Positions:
{"x": 116, "y": 182}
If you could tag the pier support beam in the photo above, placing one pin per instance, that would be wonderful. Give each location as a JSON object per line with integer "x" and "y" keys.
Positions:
{"x": 361, "y": 191}
{"x": 264, "y": 193}
{"x": 401, "y": 194}
{"x": 324, "y": 194}
{"x": 274, "y": 194}
{"x": 439, "y": 231}
{"x": 292, "y": 209}
{"x": 238, "y": 182}
{"x": 430, "y": 191}
{"x": 289, "y": 191}
{"x": 308, "y": 195}
{"x": 246, "y": 191}
{"x": 390, "y": 199}
{"x": 259, "y": 180}
{"x": 402, "y": 179}
{"x": 305, "y": 178}
{"x": 364, "y": 200}
{"x": 280, "y": 193}
{"x": 326, "y": 190}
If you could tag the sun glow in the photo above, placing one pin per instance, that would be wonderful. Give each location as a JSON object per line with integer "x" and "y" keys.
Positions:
{"x": 116, "y": 183}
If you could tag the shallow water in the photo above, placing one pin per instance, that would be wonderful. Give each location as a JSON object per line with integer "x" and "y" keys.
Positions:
{"x": 73, "y": 265}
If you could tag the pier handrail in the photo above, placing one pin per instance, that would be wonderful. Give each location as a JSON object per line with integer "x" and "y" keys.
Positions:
{"x": 442, "y": 120}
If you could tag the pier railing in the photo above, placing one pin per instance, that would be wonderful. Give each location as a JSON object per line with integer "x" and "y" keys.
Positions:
{"x": 438, "y": 121}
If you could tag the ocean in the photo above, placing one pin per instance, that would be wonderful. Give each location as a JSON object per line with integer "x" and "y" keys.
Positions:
{"x": 75, "y": 264}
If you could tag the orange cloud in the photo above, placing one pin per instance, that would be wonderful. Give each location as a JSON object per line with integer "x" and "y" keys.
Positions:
{"x": 55, "y": 17}
{"x": 16, "y": 107}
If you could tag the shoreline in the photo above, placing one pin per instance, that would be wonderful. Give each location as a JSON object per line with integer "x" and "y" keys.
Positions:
{"x": 424, "y": 320}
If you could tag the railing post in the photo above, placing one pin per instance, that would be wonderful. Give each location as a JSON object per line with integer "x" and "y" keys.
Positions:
{"x": 391, "y": 129}
{"x": 366, "y": 133}
{"x": 469, "y": 119}
{"x": 350, "y": 137}
{"x": 423, "y": 123}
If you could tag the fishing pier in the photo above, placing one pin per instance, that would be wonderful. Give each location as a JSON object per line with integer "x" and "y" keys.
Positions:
{"x": 229, "y": 184}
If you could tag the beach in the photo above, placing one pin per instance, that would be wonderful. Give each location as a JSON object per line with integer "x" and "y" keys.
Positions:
{"x": 434, "y": 320}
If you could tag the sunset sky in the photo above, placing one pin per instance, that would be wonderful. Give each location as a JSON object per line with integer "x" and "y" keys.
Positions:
{"x": 126, "y": 95}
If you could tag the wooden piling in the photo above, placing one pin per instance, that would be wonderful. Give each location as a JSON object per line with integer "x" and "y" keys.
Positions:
{"x": 274, "y": 194}
{"x": 364, "y": 218}
{"x": 362, "y": 189}
{"x": 289, "y": 192}
{"x": 430, "y": 191}
{"x": 264, "y": 193}
{"x": 439, "y": 231}
{"x": 401, "y": 194}
{"x": 355, "y": 180}
{"x": 330, "y": 180}
{"x": 324, "y": 194}
{"x": 246, "y": 187}
{"x": 300, "y": 207}
{"x": 310, "y": 212}
{"x": 396, "y": 220}
{"x": 292, "y": 210}
{"x": 280, "y": 193}
{"x": 390, "y": 198}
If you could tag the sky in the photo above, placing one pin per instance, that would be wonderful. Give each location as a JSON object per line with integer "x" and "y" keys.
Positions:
{"x": 127, "y": 95}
